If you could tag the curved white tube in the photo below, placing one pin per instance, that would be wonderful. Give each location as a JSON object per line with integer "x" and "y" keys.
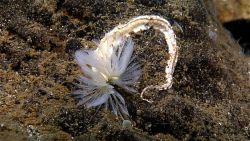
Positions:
{"x": 144, "y": 23}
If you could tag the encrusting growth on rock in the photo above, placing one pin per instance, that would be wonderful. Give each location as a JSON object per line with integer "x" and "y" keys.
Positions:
{"x": 113, "y": 63}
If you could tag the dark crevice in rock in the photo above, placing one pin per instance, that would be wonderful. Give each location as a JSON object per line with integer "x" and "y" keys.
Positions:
{"x": 240, "y": 31}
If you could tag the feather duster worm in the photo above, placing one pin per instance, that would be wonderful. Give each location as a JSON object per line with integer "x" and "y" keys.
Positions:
{"x": 113, "y": 63}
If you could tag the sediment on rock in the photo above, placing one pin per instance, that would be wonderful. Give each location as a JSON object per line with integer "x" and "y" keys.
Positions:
{"x": 208, "y": 101}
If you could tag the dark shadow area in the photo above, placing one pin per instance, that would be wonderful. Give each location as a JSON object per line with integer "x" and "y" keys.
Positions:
{"x": 240, "y": 30}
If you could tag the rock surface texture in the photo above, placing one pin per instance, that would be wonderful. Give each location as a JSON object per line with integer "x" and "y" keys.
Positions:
{"x": 229, "y": 10}
{"x": 209, "y": 99}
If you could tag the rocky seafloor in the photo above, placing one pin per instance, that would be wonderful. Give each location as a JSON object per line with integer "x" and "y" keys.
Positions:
{"x": 209, "y": 99}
